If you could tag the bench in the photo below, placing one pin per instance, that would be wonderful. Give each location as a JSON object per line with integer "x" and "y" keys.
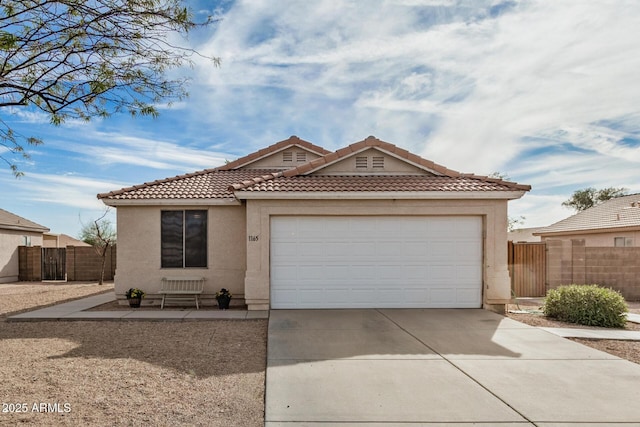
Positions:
{"x": 181, "y": 289}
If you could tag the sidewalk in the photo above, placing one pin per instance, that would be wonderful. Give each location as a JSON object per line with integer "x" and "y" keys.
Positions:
{"x": 599, "y": 334}
{"x": 73, "y": 310}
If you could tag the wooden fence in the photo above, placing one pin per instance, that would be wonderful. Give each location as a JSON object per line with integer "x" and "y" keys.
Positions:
{"x": 71, "y": 263}
{"x": 528, "y": 267}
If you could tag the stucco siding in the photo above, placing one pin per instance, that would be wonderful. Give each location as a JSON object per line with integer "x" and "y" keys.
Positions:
{"x": 276, "y": 160}
{"x": 391, "y": 164}
{"x": 9, "y": 261}
{"x": 139, "y": 262}
{"x": 600, "y": 239}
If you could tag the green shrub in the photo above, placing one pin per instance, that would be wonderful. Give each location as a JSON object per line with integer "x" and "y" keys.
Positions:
{"x": 589, "y": 305}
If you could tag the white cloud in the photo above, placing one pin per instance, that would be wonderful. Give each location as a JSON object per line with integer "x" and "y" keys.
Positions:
{"x": 67, "y": 190}
{"x": 539, "y": 211}
{"x": 544, "y": 68}
{"x": 113, "y": 148}
{"x": 544, "y": 91}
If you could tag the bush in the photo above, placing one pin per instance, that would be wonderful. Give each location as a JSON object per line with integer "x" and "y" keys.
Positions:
{"x": 589, "y": 305}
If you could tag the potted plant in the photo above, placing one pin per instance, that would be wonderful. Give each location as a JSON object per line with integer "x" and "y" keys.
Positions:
{"x": 224, "y": 298}
{"x": 134, "y": 295}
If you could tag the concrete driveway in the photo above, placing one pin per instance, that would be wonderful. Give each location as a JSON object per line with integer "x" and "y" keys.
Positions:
{"x": 441, "y": 367}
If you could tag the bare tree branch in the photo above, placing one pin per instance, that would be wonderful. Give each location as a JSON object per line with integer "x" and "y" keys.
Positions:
{"x": 93, "y": 58}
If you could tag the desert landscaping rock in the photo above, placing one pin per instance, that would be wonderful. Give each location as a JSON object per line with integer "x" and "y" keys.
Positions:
{"x": 204, "y": 373}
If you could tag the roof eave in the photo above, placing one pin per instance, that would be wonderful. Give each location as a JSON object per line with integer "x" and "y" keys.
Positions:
{"x": 171, "y": 202}
{"x": 587, "y": 231}
{"x": 24, "y": 228}
{"x": 360, "y": 195}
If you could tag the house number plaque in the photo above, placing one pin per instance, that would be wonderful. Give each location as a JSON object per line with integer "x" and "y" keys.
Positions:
{"x": 253, "y": 238}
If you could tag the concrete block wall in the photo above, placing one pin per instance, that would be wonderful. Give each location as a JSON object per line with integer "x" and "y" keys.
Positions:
{"x": 30, "y": 263}
{"x": 618, "y": 268}
{"x": 570, "y": 261}
{"x": 83, "y": 263}
{"x": 559, "y": 263}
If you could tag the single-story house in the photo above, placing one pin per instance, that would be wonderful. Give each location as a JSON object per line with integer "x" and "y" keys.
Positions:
{"x": 296, "y": 226}
{"x": 16, "y": 231}
{"x": 615, "y": 222}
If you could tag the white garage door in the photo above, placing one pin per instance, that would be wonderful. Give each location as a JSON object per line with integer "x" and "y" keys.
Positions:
{"x": 376, "y": 262}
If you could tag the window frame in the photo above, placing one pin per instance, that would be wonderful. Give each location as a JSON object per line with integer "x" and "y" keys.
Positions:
{"x": 626, "y": 242}
{"x": 183, "y": 242}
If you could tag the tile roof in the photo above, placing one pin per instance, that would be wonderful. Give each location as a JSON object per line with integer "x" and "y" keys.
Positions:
{"x": 279, "y": 182}
{"x": 206, "y": 184}
{"x": 9, "y": 221}
{"x": 223, "y": 182}
{"x": 292, "y": 140}
{"x": 619, "y": 212}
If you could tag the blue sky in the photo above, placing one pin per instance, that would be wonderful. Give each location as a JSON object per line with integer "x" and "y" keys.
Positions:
{"x": 546, "y": 92}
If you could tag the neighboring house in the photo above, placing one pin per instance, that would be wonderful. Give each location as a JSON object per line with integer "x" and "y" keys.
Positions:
{"x": 524, "y": 235}
{"x": 51, "y": 240}
{"x": 615, "y": 222}
{"x": 15, "y": 231}
{"x": 296, "y": 226}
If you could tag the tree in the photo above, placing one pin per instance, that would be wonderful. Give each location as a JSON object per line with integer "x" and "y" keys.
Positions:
{"x": 513, "y": 222}
{"x": 589, "y": 197}
{"x": 101, "y": 235}
{"x": 83, "y": 59}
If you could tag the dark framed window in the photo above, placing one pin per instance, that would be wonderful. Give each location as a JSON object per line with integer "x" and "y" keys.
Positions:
{"x": 184, "y": 238}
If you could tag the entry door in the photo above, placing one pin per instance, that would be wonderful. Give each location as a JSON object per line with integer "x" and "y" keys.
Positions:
{"x": 376, "y": 262}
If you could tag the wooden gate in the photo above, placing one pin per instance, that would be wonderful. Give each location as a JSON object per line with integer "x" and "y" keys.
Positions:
{"x": 528, "y": 269}
{"x": 54, "y": 262}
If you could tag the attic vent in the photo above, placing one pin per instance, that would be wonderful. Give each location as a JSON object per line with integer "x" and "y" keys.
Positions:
{"x": 378, "y": 162}
{"x": 287, "y": 156}
{"x": 361, "y": 162}
{"x": 301, "y": 156}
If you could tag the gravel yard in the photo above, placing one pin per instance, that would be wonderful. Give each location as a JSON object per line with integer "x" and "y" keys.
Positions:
{"x": 200, "y": 373}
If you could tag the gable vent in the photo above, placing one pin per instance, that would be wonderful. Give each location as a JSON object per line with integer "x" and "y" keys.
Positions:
{"x": 287, "y": 156}
{"x": 301, "y": 156}
{"x": 361, "y": 162}
{"x": 378, "y": 162}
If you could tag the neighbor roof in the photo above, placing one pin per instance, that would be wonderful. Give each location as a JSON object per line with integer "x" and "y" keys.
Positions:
{"x": 228, "y": 182}
{"x": 619, "y": 212}
{"x": 9, "y": 221}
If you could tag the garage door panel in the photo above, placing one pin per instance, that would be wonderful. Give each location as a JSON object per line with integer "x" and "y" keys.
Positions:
{"x": 340, "y": 262}
{"x": 284, "y": 250}
{"x": 443, "y": 296}
{"x": 468, "y": 274}
{"x": 441, "y": 249}
{"x": 416, "y": 249}
{"x": 467, "y": 250}
{"x": 467, "y": 296}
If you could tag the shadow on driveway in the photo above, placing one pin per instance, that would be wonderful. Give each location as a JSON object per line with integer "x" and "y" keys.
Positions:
{"x": 437, "y": 366}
